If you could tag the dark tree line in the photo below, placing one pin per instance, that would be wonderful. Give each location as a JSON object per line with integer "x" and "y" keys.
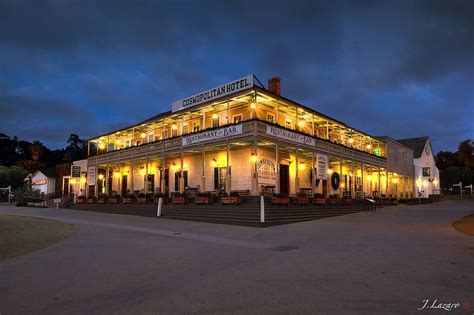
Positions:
{"x": 455, "y": 167}
{"x": 20, "y": 157}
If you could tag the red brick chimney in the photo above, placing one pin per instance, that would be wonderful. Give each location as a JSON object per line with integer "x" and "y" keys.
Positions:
{"x": 274, "y": 85}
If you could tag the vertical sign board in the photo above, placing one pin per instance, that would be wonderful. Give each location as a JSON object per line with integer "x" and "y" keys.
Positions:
{"x": 214, "y": 93}
{"x": 91, "y": 176}
{"x": 321, "y": 166}
{"x": 75, "y": 171}
{"x": 266, "y": 171}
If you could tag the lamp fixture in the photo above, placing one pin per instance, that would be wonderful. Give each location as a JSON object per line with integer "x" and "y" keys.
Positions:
{"x": 253, "y": 157}
{"x": 72, "y": 181}
{"x": 330, "y": 171}
{"x": 253, "y": 105}
{"x": 214, "y": 116}
{"x": 174, "y": 126}
{"x": 369, "y": 146}
{"x": 213, "y": 163}
{"x": 143, "y": 135}
{"x": 301, "y": 123}
{"x": 101, "y": 145}
{"x": 351, "y": 140}
{"x": 301, "y": 166}
{"x": 101, "y": 176}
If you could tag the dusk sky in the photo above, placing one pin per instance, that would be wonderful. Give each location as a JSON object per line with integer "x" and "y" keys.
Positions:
{"x": 400, "y": 68}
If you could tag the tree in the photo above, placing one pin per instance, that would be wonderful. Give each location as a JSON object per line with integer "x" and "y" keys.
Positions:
{"x": 75, "y": 149}
{"x": 465, "y": 150}
{"x": 12, "y": 176}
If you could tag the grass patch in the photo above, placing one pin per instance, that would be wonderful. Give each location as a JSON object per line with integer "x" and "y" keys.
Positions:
{"x": 22, "y": 235}
{"x": 465, "y": 225}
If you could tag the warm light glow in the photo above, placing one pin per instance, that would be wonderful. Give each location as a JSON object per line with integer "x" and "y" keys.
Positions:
{"x": 330, "y": 171}
{"x": 101, "y": 176}
{"x": 143, "y": 135}
{"x": 343, "y": 185}
{"x": 369, "y": 146}
{"x": 142, "y": 172}
{"x": 419, "y": 183}
{"x": 351, "y": 140}
{"x": 301, "y": 166}
{"x": 117, "y": 142}
{"x": 173, "y": 167}
{"x": 174, "y": 127}
{"x": 72, "y": 181}
{"x": 395, "y": 180}
{"x": 435, "y": 182}
{"x": 369, "y": 178}
{"x": 425, "y": 183}
{"x": 101, "y": 145}
{"x": 253, "y": 158}
{"x": 83, "y": 180}
{"x": 117, "y": 174}
{"x": 301, "y": 123}
{"x": 214, "y": 163}
{"x": 253, "y": 105}
{"x": 214, "y": 116}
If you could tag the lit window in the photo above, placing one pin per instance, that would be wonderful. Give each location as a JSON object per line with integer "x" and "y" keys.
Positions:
{"x": 174, "y": 132}
{"x": 215, "y": 121}
{"x": 195, "y": 125}
{"x": 288, "y": 123}
{"x": 151, "y": 137}
{"x": 271, "y": 117}
{"x": 164, "y": 134}
{"x": 237, "y": 118}
{"x": 185, "y": 129}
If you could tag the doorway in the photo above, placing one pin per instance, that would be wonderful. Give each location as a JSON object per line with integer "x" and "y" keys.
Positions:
{"x": 284, "y": 179}
{"x": 124, "y": 185}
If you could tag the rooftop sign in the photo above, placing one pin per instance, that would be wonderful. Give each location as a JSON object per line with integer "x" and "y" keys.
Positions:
{"x": 209, "y": 95}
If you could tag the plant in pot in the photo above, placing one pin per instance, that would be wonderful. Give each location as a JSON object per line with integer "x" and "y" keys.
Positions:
{"x": 334, "y": 199}
{"x": 114, "y": 199}
{"x": 102, "y": 198}
{"x": 232, "y": 199}
{"x": 281, "y": 199}
{"x": 319, "y": 199}
{"x": 179, "y": 198}
{"x": 141, "y": 198}
{"x": 128, "y": 198}
{"x": 81, "y": 199}
{"x": 302, "y": 199}
{"x": 91, "y": 199}
{"x": 203, "y": 198}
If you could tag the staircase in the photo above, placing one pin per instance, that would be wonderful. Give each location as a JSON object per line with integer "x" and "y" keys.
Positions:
{"x": 247, "y": 213}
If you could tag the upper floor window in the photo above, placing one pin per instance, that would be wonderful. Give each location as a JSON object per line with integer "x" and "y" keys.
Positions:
{"x": 185, "y": 129}
{"x": 151, "y": 137}
{"x": 237, "y": 118}
{"x": 174, "y": 132}
{"x": 164, "y": 134}
{"x": 271, "y": 118}
{"x": 288, "y": 123}
{"x": 215, "y": 121}
{"x": 426, "y": 171}
{"x": 195, "y": 125}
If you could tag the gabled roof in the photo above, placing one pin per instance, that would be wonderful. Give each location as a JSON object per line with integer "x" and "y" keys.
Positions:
{"x": 417, "y": 144}
{"x": 49, "y": 172}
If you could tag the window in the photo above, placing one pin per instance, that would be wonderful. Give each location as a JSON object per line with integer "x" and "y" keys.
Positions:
{"x": 164, "y": 134}
{"x": 215, "y": 121}
{"x": 237, "y": 118}
{"x": 288, "y": 123}
{"x": 174, "y": 132}
{"x": 151, "y": 137}
{"x": 128, "y": 143}
{"x": 271, "y": 118}
{"x": 196, "y": 126}
{"x": 185, "y": 129}
{"x": 219, "y": 178}
{"x": 426, "y": 171}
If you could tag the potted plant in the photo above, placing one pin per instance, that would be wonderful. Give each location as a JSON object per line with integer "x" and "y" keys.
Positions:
{"x": 319, "y": 199}
{"x": 128, "y": 198}
{"x": 281, "y": 199}
{"x": 203, "y": 198}
{"x": 333, "y": 200}
{"x": 233, "y": 199}
{"x": 301, "y": 199}
{"x": 102, "y": 198}
{"x": 179, "y": 198}
{"x": 114, "y": 199}
{"x": 91, "y": 199}
{"x": 142, "y": 198}
{"x": 81, "y": 199}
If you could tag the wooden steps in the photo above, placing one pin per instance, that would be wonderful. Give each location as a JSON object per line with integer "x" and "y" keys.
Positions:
{"x": 247, "y": 213}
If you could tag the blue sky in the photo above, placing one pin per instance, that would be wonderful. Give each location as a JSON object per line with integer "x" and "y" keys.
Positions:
{"x": 397, "y": 68}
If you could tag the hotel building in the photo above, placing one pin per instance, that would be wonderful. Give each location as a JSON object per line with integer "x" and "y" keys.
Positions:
{"x": 242, "y": 137}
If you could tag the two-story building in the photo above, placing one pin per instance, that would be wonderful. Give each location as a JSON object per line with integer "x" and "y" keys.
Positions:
{"x": 240, "y": 137}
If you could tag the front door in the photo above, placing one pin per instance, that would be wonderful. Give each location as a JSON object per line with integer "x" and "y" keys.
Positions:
{"x": 284, "y": 179}
{"x": 124, "y": 185}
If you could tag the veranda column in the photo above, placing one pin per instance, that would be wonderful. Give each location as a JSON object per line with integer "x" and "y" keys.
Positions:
{"x": 313, "y": 175}
{"x": 163, "y": 171}
{"x": 132, "y": 186}
{"x": 107, "y": 179}
{"x": 378, "y": 181}
{"x": 146, "y": 170}
{"x": 181, "y": 175}
{"x": 340, "y": 175}
{"x": 277, "y": 169}
{"x": 297, "y": 184}
{"x": 362, "y": 179}
{"x": 203, "y": 169}
{"x": 254, "y": 171}
{"x": 227, "y": 173}
{"x": 96, "y": 186}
